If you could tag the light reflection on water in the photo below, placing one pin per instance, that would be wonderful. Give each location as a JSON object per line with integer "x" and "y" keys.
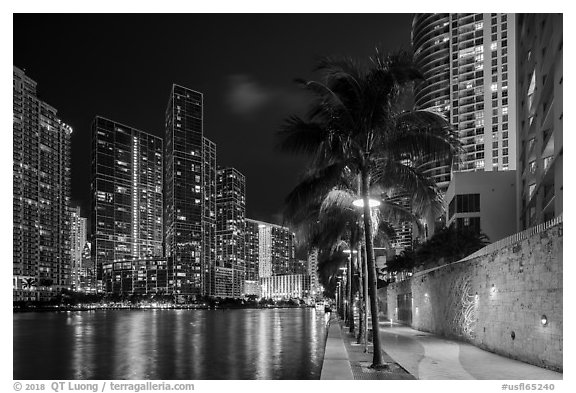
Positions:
{"x": 169, "y": 344}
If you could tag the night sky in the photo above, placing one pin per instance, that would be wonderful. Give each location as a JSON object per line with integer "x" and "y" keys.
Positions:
{"x": 122, "y": 67}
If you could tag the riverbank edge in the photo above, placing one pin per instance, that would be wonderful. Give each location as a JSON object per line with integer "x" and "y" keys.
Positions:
{"x": 336, "y": 364}
{"x": 184, "y": 307}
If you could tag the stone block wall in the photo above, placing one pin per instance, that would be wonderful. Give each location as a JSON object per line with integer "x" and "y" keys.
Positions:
{"x": 495, "y": 301}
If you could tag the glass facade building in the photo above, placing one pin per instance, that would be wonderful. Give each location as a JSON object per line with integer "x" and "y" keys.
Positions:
{"x": 540, "y": 118}
{"x": 251, "y": 249}
{"x": 230, "y": 228}
{"x": 209, "y": 216}
{"x": 127, "y": 199}
{"x": 41, "y": 195}
{"x": 77, "y": 243}
{"x": 183, "y": 187}
{"x": 190, "y": 192}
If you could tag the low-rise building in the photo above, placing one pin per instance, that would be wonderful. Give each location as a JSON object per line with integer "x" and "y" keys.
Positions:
{"x": 483, "y": 201}
{"x": 284, "y": 287}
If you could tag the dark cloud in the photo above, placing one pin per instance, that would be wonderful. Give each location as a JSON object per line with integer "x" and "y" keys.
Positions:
{"x": 245, "y": 96}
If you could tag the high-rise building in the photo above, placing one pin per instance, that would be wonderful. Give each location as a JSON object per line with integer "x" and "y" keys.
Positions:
{"x": 41, "y": 195}
{"x": 209, "y": 188}
{"x": 539, "y": 118}
{"x": 126, "y": 193}
{"x": 251, "y": 249}
{"x": 404, "y": 230}
{"x": 468, "y": 61}
{"x": 77, "y": 244}
{"x": 190, "y": 192}
{"x": 312, "y": 271}
{"x": 87, "y": 273}
{"x": 230, "y": 227}
{"x": 275, "y": 250}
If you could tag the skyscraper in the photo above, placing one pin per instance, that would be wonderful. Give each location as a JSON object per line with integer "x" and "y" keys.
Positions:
{"x": 275, "y": 250}
{"x": 251, "y": 249}
{"x": 209, "y": 188}
{"x": 126, "y": 193}
{"x": 77, "y": 244}
{"x": 190, "y": 192}
{"x": 540, "y": 114}
{"x": 468, "y": 62}
{"x": 313, "y": 272}
{"x": 41, "y": 195}
{"x": 230, "y": 227}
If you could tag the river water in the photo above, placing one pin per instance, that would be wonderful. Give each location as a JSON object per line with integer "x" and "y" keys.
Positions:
{"x": 170, "y": 344}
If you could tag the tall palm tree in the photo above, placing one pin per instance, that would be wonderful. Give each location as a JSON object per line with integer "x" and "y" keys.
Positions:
{"x": 357, "y": 123}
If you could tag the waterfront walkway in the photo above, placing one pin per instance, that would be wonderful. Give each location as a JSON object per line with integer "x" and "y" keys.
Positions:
{"x": 336, "y": 364}
{"x": 412, "y": 354}
{"x": 427, "y": 356}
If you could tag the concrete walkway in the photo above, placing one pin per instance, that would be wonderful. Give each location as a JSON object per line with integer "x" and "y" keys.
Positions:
{"x": 336, "y": 364}
{"x": 427, "y": 356}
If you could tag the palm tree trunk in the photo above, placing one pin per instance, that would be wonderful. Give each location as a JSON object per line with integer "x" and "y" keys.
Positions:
{"x": 377, "y": 360}
{"x": 365, "y": 267}
{"x": 361, "y": 297}
{"x": 350, "y": 293}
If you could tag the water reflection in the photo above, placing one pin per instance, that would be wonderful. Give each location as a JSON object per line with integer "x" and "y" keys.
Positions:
{"x": 169, "y": 344}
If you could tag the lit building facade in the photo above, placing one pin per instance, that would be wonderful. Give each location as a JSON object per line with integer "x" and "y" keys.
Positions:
{"x": 275, "y": 250}
{"x": 284, "y": 287}
{"x": 209, "y": 212}
{"x": 540, "y": 114}
{"x": 483, "y": 201}
{"x": 230, "y": 229}
{"x": 152, "y": 275}
{"x": 468, "y": 61}
{"x": 126, "y": 193}
{"x": 312, "y": 271}
{"x": 77, "y": 244}
{"x": 404, "y": 229}
{"x": 190, "y": 192}
{"x": 251, "y": 248}
{"x": 87, "y": 271}
{"x": 41, "y": 195}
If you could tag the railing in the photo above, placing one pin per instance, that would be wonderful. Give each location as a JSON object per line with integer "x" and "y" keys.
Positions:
{"x": 515, "y": 238}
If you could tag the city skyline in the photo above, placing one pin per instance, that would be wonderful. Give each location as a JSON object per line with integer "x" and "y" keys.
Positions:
{"x": 246, "y": 99}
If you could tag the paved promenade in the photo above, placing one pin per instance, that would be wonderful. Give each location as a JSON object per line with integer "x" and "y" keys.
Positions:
{"x": 412, "y": 354}
{"x": 336, "y": 364}
{"x": 427, "y": 356}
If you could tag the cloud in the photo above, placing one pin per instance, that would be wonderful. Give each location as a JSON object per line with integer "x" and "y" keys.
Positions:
{"x": 246, "y": 96}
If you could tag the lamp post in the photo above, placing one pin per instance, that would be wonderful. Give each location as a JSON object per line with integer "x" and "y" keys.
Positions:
{"x": 372, "y": 203}
{"x": 345, "y": 294}
{"x": 350, "y": 300}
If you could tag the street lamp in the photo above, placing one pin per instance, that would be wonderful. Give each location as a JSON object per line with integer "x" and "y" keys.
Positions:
{"x": 371, "y": 202}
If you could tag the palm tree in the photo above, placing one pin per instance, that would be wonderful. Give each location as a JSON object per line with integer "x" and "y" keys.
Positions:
{"x": 29, "y": 283}
{"x": 331, "y": 222}
{"x": 357, "y": 124}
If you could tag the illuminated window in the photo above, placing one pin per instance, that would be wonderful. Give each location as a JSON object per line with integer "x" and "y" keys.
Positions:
{"x": 531, "y": 89}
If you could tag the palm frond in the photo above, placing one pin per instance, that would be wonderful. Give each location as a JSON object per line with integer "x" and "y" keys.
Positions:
{"x": 424, "y": 136}
{"x": 312, "y": 187}
{"x": 300, "y": 136}
{"x": 425, "y": 197}
{"x": 339, "y": 199}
